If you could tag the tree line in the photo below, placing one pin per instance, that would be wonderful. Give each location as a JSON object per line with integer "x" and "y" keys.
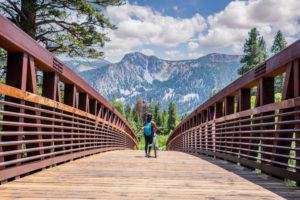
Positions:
{"x": 255, "y": 52}
{"x": 136, "y": 115}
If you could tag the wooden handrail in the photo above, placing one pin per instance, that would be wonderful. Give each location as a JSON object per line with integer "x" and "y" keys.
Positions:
{"x": 266, "y": 136}
{"x": 37, "y": 131}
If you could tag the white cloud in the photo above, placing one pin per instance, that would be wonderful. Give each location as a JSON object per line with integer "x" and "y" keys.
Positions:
{"x": 148, "y": 52}
{"x": 192, "y": 46}
{"x": 174, "y": 54}
{"x": 175, "y": 8}
{"x": 237, "y": 48}
{"x": 231, "y": 26}
{"x": 138, "y": 26}
{"x": 114, "y": 55}
{"x": 195, "y": 55}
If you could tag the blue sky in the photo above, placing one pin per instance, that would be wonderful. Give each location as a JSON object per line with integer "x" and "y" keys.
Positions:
{"x": 184, "y": 8}
{"x": 188, "y": 29}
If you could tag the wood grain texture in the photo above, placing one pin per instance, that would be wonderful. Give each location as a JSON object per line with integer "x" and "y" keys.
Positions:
{"x": 130, "y": 175}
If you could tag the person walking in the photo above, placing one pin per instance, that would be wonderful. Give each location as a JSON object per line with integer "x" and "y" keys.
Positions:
{"x": 148, "y": 130}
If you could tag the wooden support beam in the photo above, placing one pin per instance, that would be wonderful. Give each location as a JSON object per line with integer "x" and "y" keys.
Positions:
{"x": 16, "y": 76}
{"x": 266, "y": 85}
{"x": 50, "y": 85}
{"x": 211, "y": 112}
{"x": 266, "y": 96}
{"x": 244, "y": 99}
{"x": 70, "y": 99}
{"x": 93, "y": 106}
{"x": 51, "y": 90}
{"x": 31, "y": 86}
{"x": 70, "y": 95}
{"x": 83, "y": 102}
{"x": 219, "y": 110}
{"x": 229, "y": 105}
{"x": 296, "y": 66}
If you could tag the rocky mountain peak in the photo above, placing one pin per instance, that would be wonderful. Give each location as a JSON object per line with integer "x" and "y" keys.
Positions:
{"x": 188, "y": 83}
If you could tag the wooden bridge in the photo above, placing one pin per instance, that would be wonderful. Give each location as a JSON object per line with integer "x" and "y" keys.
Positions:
{"x": 130, "y": 175}
{"x": 50, "y": 117}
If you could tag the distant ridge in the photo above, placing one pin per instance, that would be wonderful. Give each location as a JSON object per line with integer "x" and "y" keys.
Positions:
{"x": 186, "y": 82}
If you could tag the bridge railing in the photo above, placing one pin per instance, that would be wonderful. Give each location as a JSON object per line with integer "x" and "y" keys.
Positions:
{"x": 48, "y": 114}
{"x": 248, "y": 123}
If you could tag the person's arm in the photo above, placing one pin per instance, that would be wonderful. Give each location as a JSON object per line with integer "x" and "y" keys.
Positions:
{"x": 154, "y": 125}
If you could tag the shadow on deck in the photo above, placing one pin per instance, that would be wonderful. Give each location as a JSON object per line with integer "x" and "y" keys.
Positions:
{"x": 270, "y": 183}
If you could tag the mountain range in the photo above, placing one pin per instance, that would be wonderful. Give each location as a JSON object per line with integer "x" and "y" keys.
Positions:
{"x": 188, "y": 83}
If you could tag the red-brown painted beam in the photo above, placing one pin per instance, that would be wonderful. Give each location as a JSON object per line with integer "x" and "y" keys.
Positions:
{"x": 14, "y": 39}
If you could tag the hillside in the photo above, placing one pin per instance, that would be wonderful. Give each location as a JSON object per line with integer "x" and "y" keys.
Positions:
{"x": 187, "y": 82}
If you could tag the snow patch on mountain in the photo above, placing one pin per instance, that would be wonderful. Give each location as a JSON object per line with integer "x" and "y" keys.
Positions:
{"x": 148, "y": 77}
{"x": 164, "y": 73}
{"x": 125, "y": 92}
{"x": 169, "y": 94}
{"x": 188, "y": 97}
{"x": 134, "y": 93}
{"x": 83, "y": 68}
{"x": 121, "y": 99}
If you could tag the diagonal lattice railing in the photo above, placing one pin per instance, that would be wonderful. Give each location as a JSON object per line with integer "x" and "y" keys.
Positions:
{"x": 248, "y": 123}
{"x": 55, "y": 120}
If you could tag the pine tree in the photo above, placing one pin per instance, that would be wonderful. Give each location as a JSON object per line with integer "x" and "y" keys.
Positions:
{"x": 114, "y": 100}
{"x": 62, "y": 26}
{"x": 159, "y": 120}
{"x": 279, "y": 43}
{"x": 135, "y": 115}
{"x": 156, "y": 113}
{"x": 120, "y": 107}
{"x": 164, "y": 124}
{"x": 128, "y": 112}
{"x": 255, "y": 51}
{"x": 214, "y": 92}
{"x": 3, "y": 58}
{"x": 172, "y": 112}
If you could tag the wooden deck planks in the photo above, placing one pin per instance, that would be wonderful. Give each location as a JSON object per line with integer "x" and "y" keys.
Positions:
{"x": 129, "y": 175}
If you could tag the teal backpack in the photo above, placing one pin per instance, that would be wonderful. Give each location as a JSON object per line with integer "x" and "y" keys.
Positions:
{"x": 148, "y": 128}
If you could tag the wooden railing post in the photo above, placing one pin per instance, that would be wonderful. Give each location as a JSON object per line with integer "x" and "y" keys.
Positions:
{"x": 290, "y": 90}
{"x": 70, "y": 99}
{"x": 229, "y": 109}
{"x": 31, "y": 86}
{"x": 16, "y": 76}
{"x": 244, "y": 103}
{"x": 297, "y": 117}
{"x": 51, "y": 90}
{"x": 266, "y": 88}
